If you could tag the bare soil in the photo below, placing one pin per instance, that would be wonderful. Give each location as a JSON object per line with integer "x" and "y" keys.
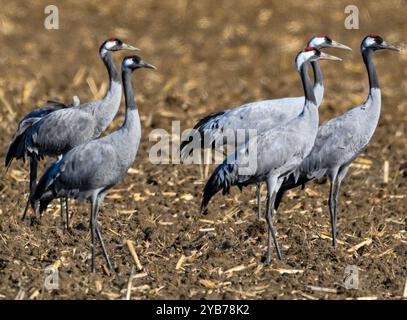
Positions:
{"x": 210, "y": 55}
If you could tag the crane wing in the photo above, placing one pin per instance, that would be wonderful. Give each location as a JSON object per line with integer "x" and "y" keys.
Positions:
{"x": 60, "y": 131}
{"x": 89, "y": 166}
{"x": 221, "y": 127}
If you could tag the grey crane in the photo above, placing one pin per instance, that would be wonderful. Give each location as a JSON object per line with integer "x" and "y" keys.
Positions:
{"x": 342, "y": 139}
{"x": 273, "y": 153}
{"x": 221, "y": 127}
{"x": 27, "y": 121}
{"x": 52, "y": 131}
{"x": 88, "y": 171}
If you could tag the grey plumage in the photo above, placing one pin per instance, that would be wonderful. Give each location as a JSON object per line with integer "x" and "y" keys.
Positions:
{"x": 222, "y": 127}
{"x": 89, "y": 170}
{"x": 275, "y": 153}
{"x": 261, "y": 115}
{"x": 28, "y": 120}
{"x": 54, "y": 132}
{"x": 64, "y": 129}
{"x": 342, "y": 139}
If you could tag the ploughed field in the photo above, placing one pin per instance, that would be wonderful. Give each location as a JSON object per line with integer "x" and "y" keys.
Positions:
{"x": 210, "y": 56}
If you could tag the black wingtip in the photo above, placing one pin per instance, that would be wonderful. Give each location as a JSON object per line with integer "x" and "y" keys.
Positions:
{"x": 218, "y": 180}
{"x": 199, "y": 127}
{"x": 289, "y": 184}
{"x": 208, "y": 118}
{"x": 184, "y": 143}
{"x": 279, "y": 198}
{"x": 11, "y": 153}
{"x": 9, "y": 159}
{"x": 205, "y": 201}
{"x": 7, "y": 163}
{"x": 41, "y": 187}
{"x": 209, "y": 190}
{"x": 44, "y": 204}
{"x": 204, "y": 211}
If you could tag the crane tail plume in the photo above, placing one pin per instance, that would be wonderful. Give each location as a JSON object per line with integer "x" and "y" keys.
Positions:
{"x": 207, "y": 123}
{"x": 43, "y": 190}
{"x": 289, "y": 183}
{"x": 45, "y": 201}
{"x": 16, "y": 150}
{"x": 222, "y": 178}
{"x": 22, "y": 141}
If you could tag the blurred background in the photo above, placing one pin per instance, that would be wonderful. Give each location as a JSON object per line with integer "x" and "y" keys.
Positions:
{"x": 210, "y": 55}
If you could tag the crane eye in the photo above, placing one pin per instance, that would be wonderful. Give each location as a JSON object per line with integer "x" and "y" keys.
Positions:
{"x": 378, "y": 40}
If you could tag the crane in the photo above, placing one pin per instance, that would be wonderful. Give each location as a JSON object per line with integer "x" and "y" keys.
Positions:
{"x": 342, "y": 139}
{"x": 24, "y": 123}
{"x": 221, "y": 127}
{"x": 89, "y": 170}
{"x": 53, "y": 131}
{"x": 274, "y": 153}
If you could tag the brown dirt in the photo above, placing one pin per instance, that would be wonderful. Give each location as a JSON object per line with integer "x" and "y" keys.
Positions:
{"x": 211, "y": 55}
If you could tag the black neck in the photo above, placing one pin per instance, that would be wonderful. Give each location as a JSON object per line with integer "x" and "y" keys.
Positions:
{"x": 306, "y": 83}
{"x": 367, "y": 54}
{"x": 128, "y": 90}
{"x": 318, "y": 79}
{"x": 111, "y": 69}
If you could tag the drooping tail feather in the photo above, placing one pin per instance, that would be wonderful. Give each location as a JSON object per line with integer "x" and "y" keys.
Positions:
{"x": 288, "y": 184}
{"x": 44, "y": 191}
{"x": 198, "y": 132}
{"x": 45, "y": 201}
{"x": 225, "y": 176}
{"x": 21, "y": 140}
{"x": 16, "y": 150}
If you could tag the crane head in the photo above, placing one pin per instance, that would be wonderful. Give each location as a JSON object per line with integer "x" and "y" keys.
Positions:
{"x": 114, "y": 44}
{"x": 323, "y": 41}
{"x": 135, "y": 62}
{"x": 311, "y": 54}
{"x": 376, "y": 42}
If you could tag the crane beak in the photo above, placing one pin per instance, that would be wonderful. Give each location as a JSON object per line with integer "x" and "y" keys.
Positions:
{"x": 385, "y": 45}
{"x": 325, "y": 56}
{"x": 148, "y": 66}
{"x": 338, "y": 45}
{"x": 126, "y": 46}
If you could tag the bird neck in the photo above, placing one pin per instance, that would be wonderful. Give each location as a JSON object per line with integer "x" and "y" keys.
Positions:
{"x": 306, "y": 83}
{"x": 318, "y": 82}
{"x": 105, "y": 109}
{"x": 318, "y": 79}
{"x": 106, "y": 57}
{"x": 128, "y": 96}
{"x": 367, "y": 55}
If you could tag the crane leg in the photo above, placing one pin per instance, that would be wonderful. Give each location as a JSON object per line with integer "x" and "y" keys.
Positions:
{"x": 99, "y": 234}
{"x": 105, "y": 254}
{"x": 26, "y": 209}
{"x": 67, "y": 213}
{"x": 271, "y": 233}
{"x": 93, "y": 233}
{"x": 341, "y": 175}
{"x": 258, "y": 192}
{"x": 64, "y": 223}
{"x": 271, "y": 195}
{"x": 270, "y": 230}
{"x": 61, "y": 214}
{"x": 331, "y": 204}
{"x": 33, "y": 182}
